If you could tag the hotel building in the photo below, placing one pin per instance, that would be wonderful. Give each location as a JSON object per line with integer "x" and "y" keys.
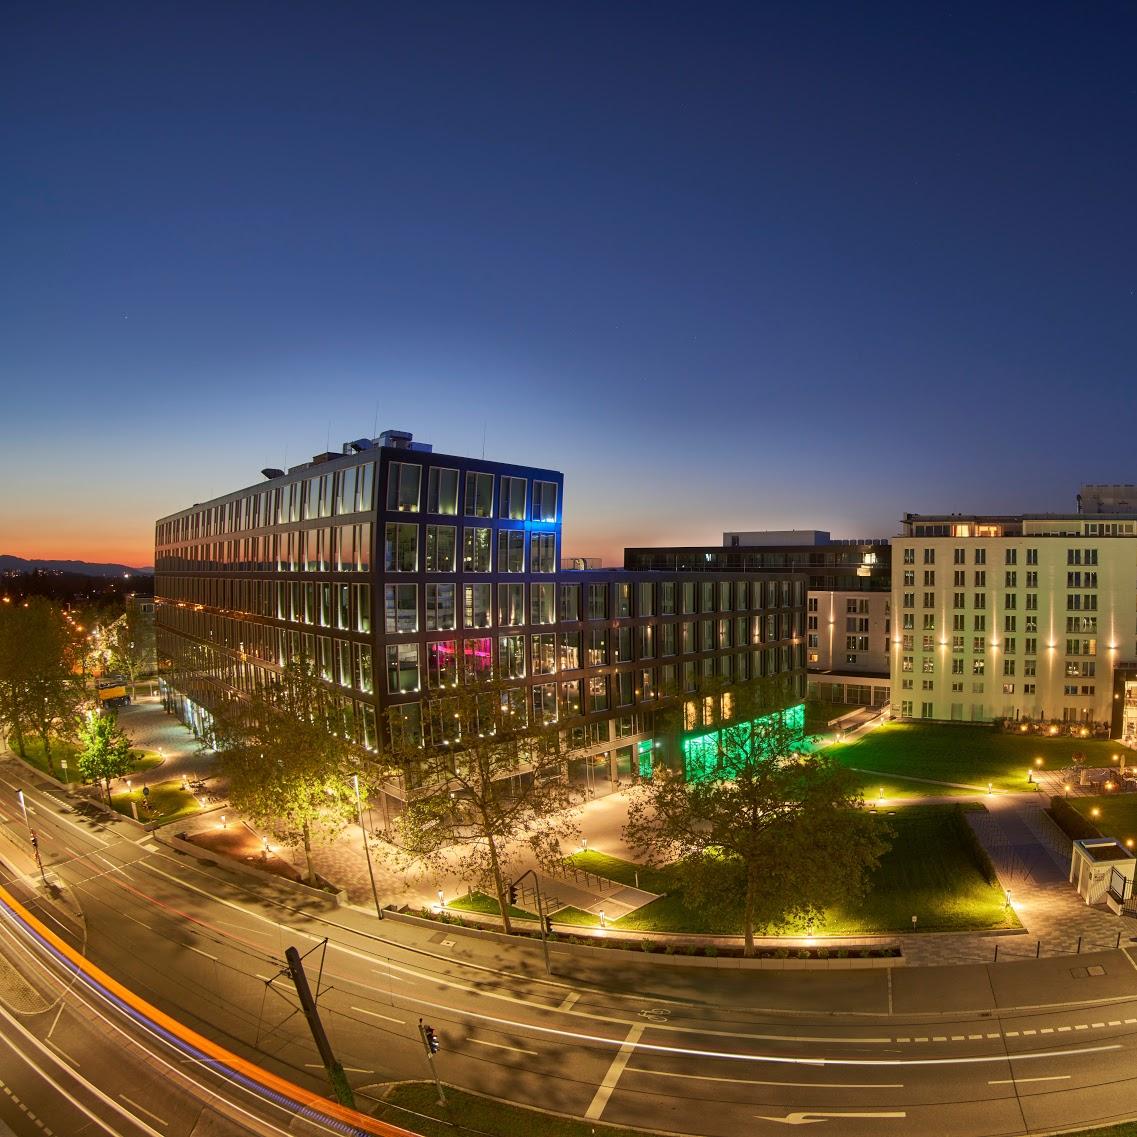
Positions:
{"x": 399, "y": 572}
{"x": 1025, "y": 617}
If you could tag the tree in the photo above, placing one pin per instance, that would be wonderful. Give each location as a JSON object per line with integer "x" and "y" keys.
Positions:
{"x": 130, "y": 645}
{"x": 13, "y": 670}
{"x": 39, "y": 691}
{"x": 488, "y": 783}
{"x": 104, "y": 750}
{"x": 751, "y": 816}
{"x": 53, "y": 694}
{"x": 289, "y": 759}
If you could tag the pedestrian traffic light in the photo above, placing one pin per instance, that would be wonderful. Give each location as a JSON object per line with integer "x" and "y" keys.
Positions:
{"x": 430, "y": 1038}
{"x": 512, "y": 893}
{"x": 548, "y": 925}
{"x": 35, "y": 840}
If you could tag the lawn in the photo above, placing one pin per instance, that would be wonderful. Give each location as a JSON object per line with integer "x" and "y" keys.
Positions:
{"x": 414, "y": 1105}
{"x": 928, "y": 873}
{"x": 973, "y": 755}
{"x": 60, "y": 749}
{"x": 1117, "y": 814}
{"x": 167, "y": 801}
{"x": 487, "y": 906}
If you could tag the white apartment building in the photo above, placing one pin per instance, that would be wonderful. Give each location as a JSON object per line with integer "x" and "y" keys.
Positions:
{"x": 1029, "y": 617}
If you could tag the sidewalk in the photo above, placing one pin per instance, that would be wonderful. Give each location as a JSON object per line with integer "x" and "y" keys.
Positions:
{"x": 1046, "y": 904}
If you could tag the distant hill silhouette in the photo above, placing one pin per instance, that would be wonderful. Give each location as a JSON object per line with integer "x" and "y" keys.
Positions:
{"x": 83, "y": 568}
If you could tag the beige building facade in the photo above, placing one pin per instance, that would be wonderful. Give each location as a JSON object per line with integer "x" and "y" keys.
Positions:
{"x": 1029, "y": 618}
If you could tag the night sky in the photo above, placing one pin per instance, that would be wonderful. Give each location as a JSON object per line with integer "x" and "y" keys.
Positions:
{"x": 726, "y": 266}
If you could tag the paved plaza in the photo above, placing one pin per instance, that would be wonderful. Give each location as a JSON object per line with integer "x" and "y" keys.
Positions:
{"x": 1030, "y": 855}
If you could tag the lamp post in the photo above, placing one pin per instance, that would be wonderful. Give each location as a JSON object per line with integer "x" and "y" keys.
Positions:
{"x": 32, "y": 836}
{"x": 366, "y": 846}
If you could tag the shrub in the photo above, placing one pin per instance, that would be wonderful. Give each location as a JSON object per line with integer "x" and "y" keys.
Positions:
{"x": 842, "y": 953}
{"x": 822, "y": 953}
{"x": 668, "y": 949}
{"x": 1070, "y": 821}
{"x": 804, "y": 953}
{"x": 970, "y": 843}
{"x": 864, "y": 953}
{"x": 710, "y": 951}
{"x": 782, "y": 953}
{"x": 647, "y": 945}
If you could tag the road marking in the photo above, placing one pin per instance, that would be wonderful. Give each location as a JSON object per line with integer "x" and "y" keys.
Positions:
{"x": 1125, "y": 952}
{"x": 759, "y": 1082}
{"x": 150, "y": 847}
{"x": 143, "y": 1109}
{"x": 376, "y": 1014}
{"x": 619, "y": 1061}
{"x": 810, "y": 1117}
{"x": 59, "y": 1050}
{"x": 393, "y": 978}
{"x": 568, "y": 1000}
{"x": 346, "y": 1069}
{"x": 1021, "y": 1081}
{"x": 200, "y": 952}
{"x": 1009, "y": 1033}
{"x": 500, "y": 1046}
{"x": 776, "y": 1059}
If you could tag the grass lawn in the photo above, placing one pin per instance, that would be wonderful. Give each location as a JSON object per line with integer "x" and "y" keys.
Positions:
{"x": 487, "y": 906}
{"x": 578, "y": 916}
{"x": 33, "y": 753}
{"x": 414, "y": 1106}
{"x": 974, "y": 755}
{"x": 1117, "y": 813}
{"x": 167, "y": 801}
{"x": 928, "y": 873}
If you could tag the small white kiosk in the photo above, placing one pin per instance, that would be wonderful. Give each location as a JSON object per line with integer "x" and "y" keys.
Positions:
{"x": 1102, "y": 868}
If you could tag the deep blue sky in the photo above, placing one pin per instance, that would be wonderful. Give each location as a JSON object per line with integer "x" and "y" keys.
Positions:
{"x": 727, "y": 266}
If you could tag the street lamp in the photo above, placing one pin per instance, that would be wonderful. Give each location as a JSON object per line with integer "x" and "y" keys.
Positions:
{"x": 32, "y": 836}
{"x": 366, "y": 846}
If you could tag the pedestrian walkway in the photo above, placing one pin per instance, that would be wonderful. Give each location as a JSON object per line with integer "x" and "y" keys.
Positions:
{"x": 1031, "y": 871}
{"x": 1030, "y": 860}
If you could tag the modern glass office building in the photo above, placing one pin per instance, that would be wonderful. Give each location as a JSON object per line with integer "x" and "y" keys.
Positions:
{"x": 399, "y": 572}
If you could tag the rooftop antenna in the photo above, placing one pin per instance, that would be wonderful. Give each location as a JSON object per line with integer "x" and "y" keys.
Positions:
{"x": 328, "y": 438}
{"x": 375, "y": 420}
{"x": 483, "y": 440}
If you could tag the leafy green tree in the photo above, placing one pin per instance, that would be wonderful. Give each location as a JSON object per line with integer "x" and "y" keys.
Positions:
{"x": 289, "y": 761}
{"x": 488, "y": 784}
{"x": 14, "y": 650}
{"x": 104, "y": 751}
{"x": 40, "y": 694}
{"x": 130, "y": 645}
{"x": 54, "y": 695}
{"x": 751, "y": 816}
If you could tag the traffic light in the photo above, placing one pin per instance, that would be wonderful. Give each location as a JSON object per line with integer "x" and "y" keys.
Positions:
{"x": 430, "y": 1038}
{"x": 548, "y": 925}
{"x": 35, "y": 840}
{"x": 512, "y": 893}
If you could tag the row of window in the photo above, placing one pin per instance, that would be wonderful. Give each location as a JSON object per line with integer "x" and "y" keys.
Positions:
{"x": 1080, "y": 556}
{"x": 405, "y": 484}
{"x": 350, "y": 490}
{"x": 1075, "y": 601}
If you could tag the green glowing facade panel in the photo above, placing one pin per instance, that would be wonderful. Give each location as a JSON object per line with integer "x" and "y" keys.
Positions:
{"x": 643, "y": 756}
{"x": 701, "y": 751}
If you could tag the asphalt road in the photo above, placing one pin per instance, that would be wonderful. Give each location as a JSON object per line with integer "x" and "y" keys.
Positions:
{"x": 976, "y": 1050}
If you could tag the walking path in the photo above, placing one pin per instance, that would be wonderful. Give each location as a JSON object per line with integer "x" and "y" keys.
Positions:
{"x": 1030, "y": 862}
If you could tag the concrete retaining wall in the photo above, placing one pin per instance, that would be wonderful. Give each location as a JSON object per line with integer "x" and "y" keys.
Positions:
{"x": 581, "y": 951}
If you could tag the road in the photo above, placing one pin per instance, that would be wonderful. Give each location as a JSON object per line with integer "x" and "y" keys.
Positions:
{"x": 975, "y": 1050}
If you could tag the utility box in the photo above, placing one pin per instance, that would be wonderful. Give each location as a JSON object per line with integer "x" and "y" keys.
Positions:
{"x": 1102, "y": 868}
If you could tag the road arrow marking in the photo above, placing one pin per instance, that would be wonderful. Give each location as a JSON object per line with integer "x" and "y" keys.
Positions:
{"x": 810, "y": 1118}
